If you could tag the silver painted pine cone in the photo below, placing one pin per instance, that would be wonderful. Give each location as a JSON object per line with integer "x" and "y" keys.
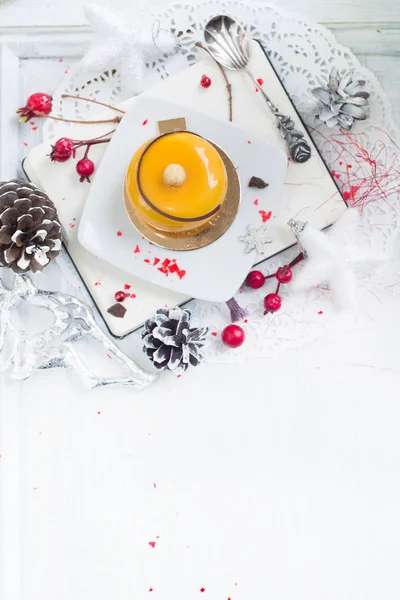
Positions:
{"x": 342, "y": 101}
{"x": 170, "y": 343}
{"x": 30, "y": 234}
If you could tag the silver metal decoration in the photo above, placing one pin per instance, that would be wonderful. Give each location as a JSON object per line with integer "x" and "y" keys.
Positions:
{"x": 229, "y": 45}
{"x": 256, "y": 238}
{"x": 297, "y": 228}
{"x": 342, "y": 101}
{"x": 55, "y": 346}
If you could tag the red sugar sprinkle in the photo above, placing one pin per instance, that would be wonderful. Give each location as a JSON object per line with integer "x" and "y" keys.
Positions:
{"x": 248, "y": 141}
{"x": 98, "y": 282}
{"x": 152, "y": 544}
{"x": 320, "y": 312}
{"x": 119, "y": 233}
{"x": 136, "y": 250}
{"x": 181, "y": 274}
{"x": 34, "y": 128}
{"x": 61, "y": 60}
{"x": 98, "y": 412}
{"x": 109, "y": 355}
{"x": 255, "y": 202}
{"x": 156, "y": 261}
{"x": 245, "y": 321}
{"x": 173, "y": 268}
{"x": 265, "y": 215}
{"x": 202, "y": 590}
{"x": 260, "y": 81}
{"x": 349, "y": 166}
{"x": 146, "y": 260}
{"x": 163, "y": 270}
{"x": 145, "y": 122}
{"x": 178, "y": 376}
{"x": 133, "y": 295}
{"x": 150, "y": 589}
{"x": 341, "y": 162}
{"x": 25, "y": 144}
{"x": 166, "y": 262}
{"x": 214, "y": 333}
{"x": 154, "y": 485}
{"x": 127, "y": 286}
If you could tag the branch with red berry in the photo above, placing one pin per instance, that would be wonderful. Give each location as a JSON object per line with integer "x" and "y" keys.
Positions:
{"x": 41, "y": 104}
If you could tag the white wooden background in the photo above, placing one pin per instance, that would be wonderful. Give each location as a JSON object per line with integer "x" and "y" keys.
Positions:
{"x": 345, "y": 434}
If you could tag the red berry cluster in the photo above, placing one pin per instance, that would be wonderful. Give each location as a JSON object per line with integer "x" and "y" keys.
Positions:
{"x": 64, "y": 148}
{"x": 256, "y": 279}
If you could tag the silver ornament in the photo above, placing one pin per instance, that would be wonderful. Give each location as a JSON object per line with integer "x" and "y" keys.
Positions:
{"x": 342, "y": 101}
{"x": 297, "y": 228}
{"x": 55, "y": 346}
{"x": 256, "y": 238}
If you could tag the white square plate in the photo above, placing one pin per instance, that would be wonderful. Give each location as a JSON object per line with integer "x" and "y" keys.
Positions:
{"x": 212, "y": 273}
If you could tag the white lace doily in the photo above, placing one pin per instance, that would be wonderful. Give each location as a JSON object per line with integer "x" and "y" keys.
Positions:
{"x": 303, "y": 53}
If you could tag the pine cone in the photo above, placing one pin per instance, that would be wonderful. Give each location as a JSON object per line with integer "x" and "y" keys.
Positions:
{"x": 343, "y": 101}
{"x": 170, "y": 343}
{"x": 30, "y": 234}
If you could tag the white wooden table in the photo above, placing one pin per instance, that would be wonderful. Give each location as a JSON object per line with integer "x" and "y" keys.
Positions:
{"x": 86, "y": 477}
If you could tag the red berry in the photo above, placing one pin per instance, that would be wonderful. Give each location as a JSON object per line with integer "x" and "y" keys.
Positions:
{"x": 62, "y": 150}
{"x": 120, "y": 296}
{"x": 37, "y": 105}
{"x": 284, "y": 274}
{"x": 233, "y": 336}
{"x": 205, "y": 81}
{"x": 84, "y": 168}
{"x": 255, "y": 280}
{"x": 272, "y": 303}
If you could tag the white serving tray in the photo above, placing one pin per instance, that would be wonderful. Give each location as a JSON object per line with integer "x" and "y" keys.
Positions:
{"x": 309, "y": 192}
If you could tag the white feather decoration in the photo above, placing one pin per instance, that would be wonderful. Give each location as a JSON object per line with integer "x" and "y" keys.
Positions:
{"x": 335, "y": 258}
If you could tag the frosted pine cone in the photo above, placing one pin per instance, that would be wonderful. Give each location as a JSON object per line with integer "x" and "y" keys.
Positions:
{"x": 343, "y": 101}
{"x": 30, "y": 234}
{"x": 170, "y": 343}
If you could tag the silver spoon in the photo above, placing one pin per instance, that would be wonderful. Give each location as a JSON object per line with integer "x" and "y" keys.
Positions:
{"x": 229, "y": 45}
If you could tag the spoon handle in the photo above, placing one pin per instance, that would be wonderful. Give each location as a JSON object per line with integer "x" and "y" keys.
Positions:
{"x": 299, "y": 148}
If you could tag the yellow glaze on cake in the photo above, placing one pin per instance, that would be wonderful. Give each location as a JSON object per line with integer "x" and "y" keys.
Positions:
{"x": 203, "y": 189}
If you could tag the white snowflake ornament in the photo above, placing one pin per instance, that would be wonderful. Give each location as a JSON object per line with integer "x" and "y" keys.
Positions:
{"x": 255, "y": 239}
{"x": 125, "y": 40}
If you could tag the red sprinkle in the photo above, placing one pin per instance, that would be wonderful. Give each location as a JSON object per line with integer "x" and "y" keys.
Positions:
{"x": 166, "y": 262}
{"x": 255, "y": 202}
{"x": 156, "y": 261}
{"x": 25, "y": 144}
{"x": 181, "y": 274}
{"x": 173, "y": 268}
{"x": 349, "y": 166}
{"x": 34, "y": 128}
{"x": 214, "y": 333}
{"x": 146, "y": 260}
{"x": 127, "y": 286}
{"x": 133, "y": 295}
{"x": 136, "y": 250}
{"x": 154, "y": 485}
{"x": 98, "y": 412}
{"x": 145, "y": 122}
{"x": 150, "y": 589}
{"x": 152, "y": 544}
{"x": 248, "y": 141}
{"x": 260, "y": 81}
{"x": 61, "y": 60}
{"x": 265, "y": 215}
{"x": 320, "y": 312}
{"x": 98, "y": 282}
{"x": 119, "y": 233}
{"x": 109, "y": 355}
{"x": 202, "y": 590}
